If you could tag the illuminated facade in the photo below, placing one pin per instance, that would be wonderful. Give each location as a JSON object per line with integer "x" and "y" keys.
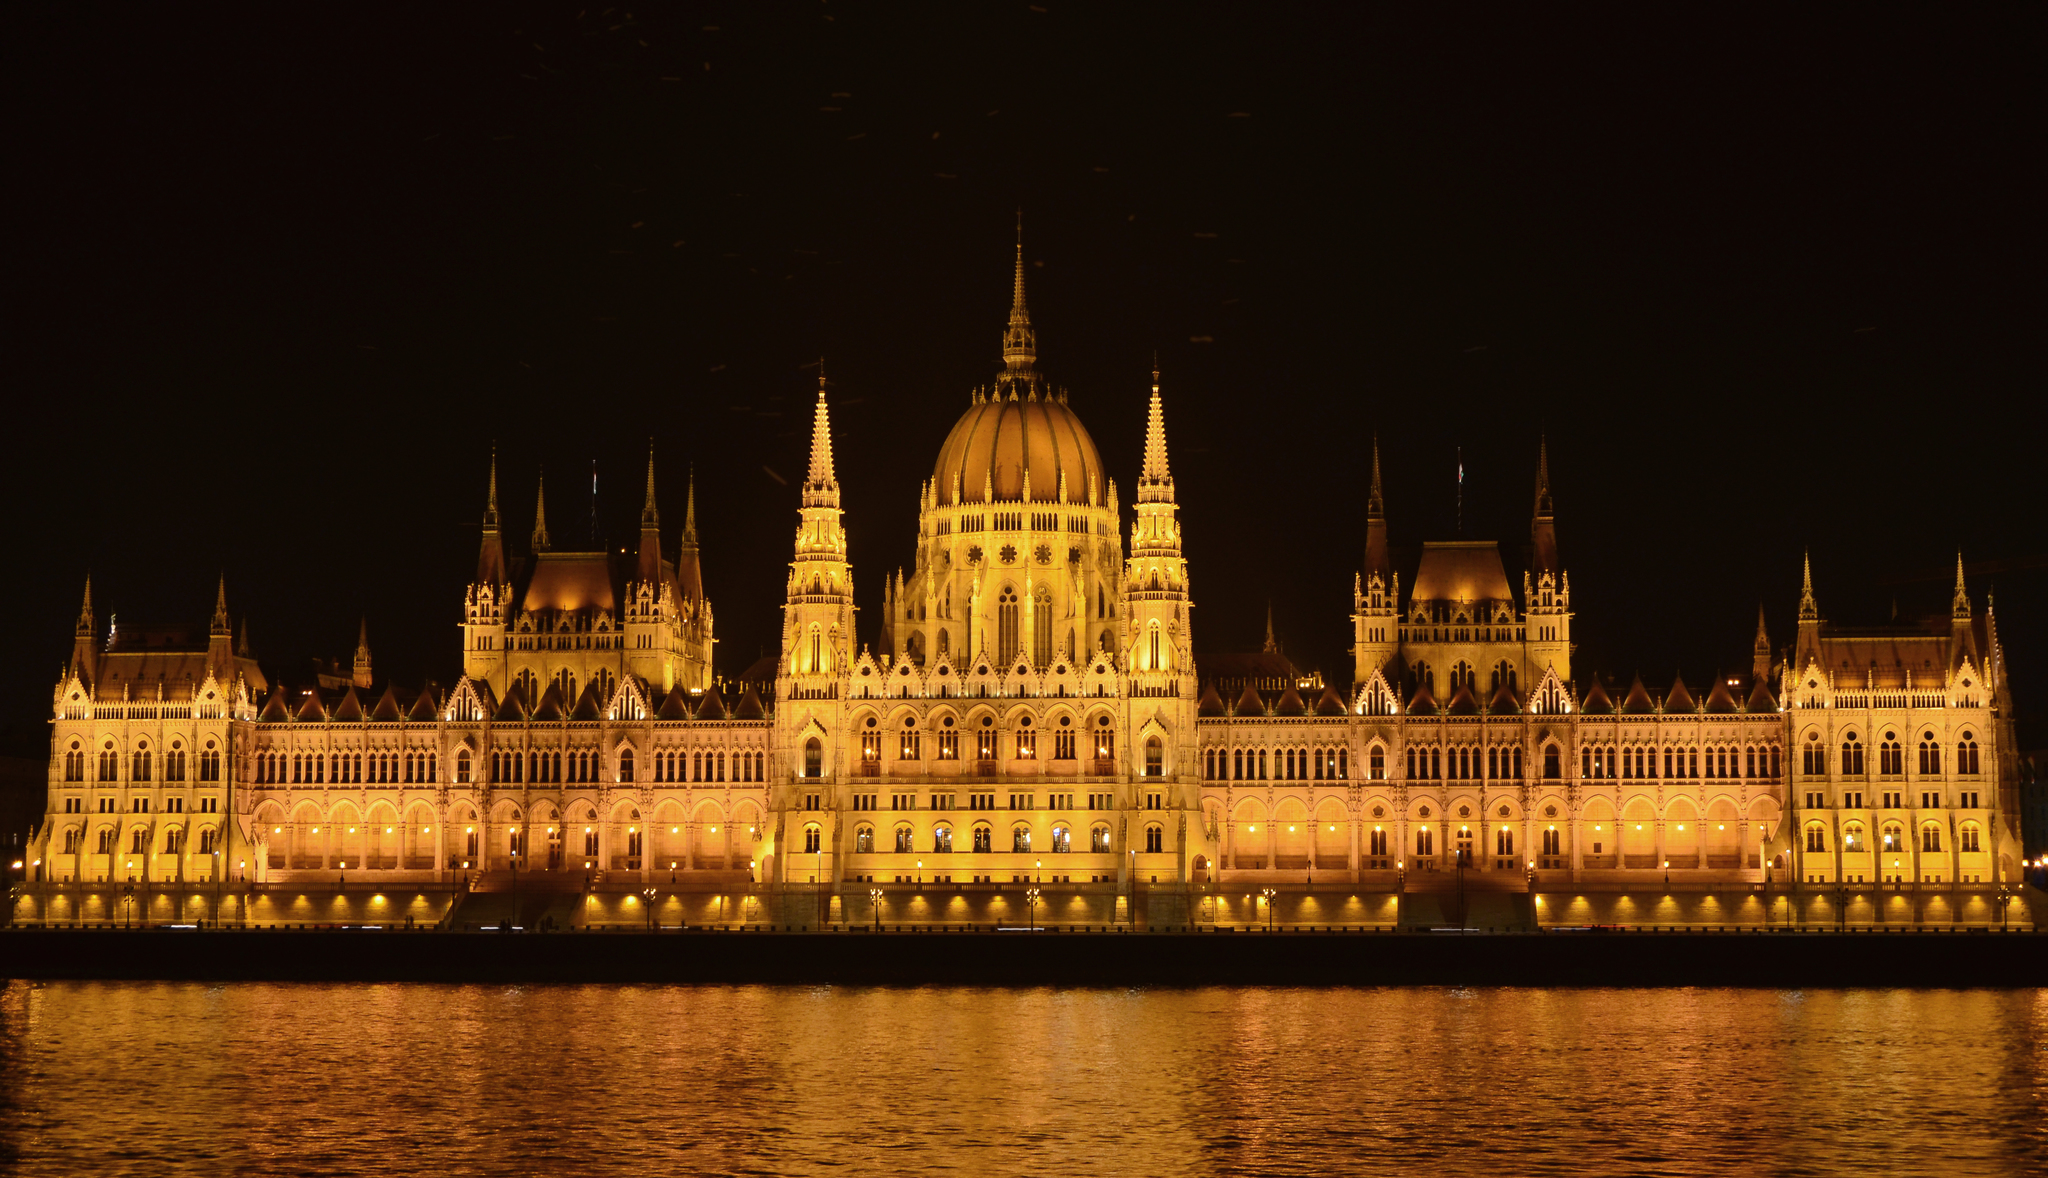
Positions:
{"x": 1033, "y": 712}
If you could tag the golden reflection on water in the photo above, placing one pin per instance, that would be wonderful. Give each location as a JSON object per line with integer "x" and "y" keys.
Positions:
{"x": 111, "y": 1078}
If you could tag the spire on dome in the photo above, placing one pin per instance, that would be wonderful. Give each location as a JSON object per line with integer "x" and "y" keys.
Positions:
{"x": 1960, "y": 607}
{"x": 1809, "y": 610}
{"x": 1155, "y": 481}
{"x": 1020, "y": 343}
{"x": 540, "y": 514}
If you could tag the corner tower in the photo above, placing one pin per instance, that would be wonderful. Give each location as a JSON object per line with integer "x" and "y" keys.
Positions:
{"x": 1375, "y": 593}
{"x": 1547, "y": 589}
{"x": 1158, "y": 635}
{"x": 487, "y": 604}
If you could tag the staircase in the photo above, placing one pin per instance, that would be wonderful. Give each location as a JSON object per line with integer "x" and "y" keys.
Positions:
{"x": 1496, "y": 900}
{"x": 521, "y": 900}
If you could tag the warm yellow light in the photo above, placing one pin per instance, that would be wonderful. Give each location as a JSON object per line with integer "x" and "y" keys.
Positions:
{"x": 586, "y": 830}
{"x": 1639, "y": 826}
{"x": 1290, "y": 830}
{"x": 316, "y": 830}
{"x": 1553, "y": 826}
{"x": 387, "y": 830}
{"x": 426, "y": 830}
{"x": 1333, "y": 830}
{"x": 636, "y": 830}
{"x": 1253, "y": 829}
{"x": 674, "y": 829}
{"x": 1376, "y": 828}
{"x": 351, "y": 830}
{"x": 277, "y": 830}
{"x": 1599, "y": 828}
{"x": 1723, "y": 826}
{"x": 714, "y": 830}
{"x": 1681, "y": 826}
{"x": 469, "y": 830}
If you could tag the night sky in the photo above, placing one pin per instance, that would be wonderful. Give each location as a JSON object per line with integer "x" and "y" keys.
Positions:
{"x": 278, "y": 285}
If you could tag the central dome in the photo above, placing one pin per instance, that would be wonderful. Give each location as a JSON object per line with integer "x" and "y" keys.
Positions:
{"x": 999, "y": 440}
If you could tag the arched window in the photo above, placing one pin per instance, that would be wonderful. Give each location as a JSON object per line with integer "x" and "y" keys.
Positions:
{"x": 1552, "y": 766}
{"x": 1152, "y": 632}
{"x": 625, "y": 765}
{"x": 1343, "y": 764}
{"x": 1966, "y": 755}
{"x": 1155, "y": 840}
{"x": 1968, "y": 837}
{"x": 462, "y": 766}
{"x": 139, "y": 770}
{"x": 1006, "y": 626}
{"x": 110, "y": 765}
{"x": 984, "y": 840}
{"x": 1155, "y": 757}
{"x": 1041, "y": 626}
{"x": 209, "y": 763}
{"x": 1816, "y": 838}
{"x": 1930, "y": 756}
{"x": 1425, "y": 841}
{"x": 1852, "y": 756}
{"x": 1894, "y": 837}
{"x": 74, "y": 763}
{"x": 864, "y": 840}
{"x": 814, "y": 758}
{"x": 1376, "y": 763}
{"x": 1020, "y": 839}
{"x": 1930, "y": 837}
{"x": 811, "y": 840}
{"x": 942, "y": 840}
{"x": 1813, "y": 760}
{"x": 1062, "y": 840}
{"x": 1891, "y": 756}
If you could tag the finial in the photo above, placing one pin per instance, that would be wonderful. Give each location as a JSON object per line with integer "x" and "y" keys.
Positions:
{"x": 491, "y": 500}
{"x": 1155, "y": 481}
{"x": 821, "y": 478}
{"x": 1809, "y": 610}
{"x": 1961, "y": 604}
{"x": 649, "y": 517}
{"x": 1271, "y": 646}
{"x": 1375, "y": 503}
{"x": 1543, "y": 505}
{"x": 540, "y": 514}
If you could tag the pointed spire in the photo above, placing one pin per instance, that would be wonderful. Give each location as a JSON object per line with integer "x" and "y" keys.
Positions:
{"x": 242, "y": 640}
{"x": 491, "y": 502}
{"x": 540, "y": 514}
{"x": 221, "y": 624}
{"x": 1271, "y": 646}
{"x": 690, "y": 511}
{"x": 1760, "y": 652}
{"x": 821, "y": 483}
{"x": 362, "y": 661}
{"x": 1809, "y": 610}
{"x": 649, "y": 516}
{"x": 1960, "y": 607}
{"x": 1375, "y": 501}
{"x": 85, "y": 625}
{"x": 490, "y": 557}
{"x": 1155, "y": 481}
{"x": 1542, "y": 525}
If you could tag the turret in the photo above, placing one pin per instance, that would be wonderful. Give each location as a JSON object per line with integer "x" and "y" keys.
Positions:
{"x": 540, "y": 515}
{"x": 1374, "y": 592}
{"x": 220, "y": 637}
{"x": 649, "y": 571}
{"x": 1760, "y": 652}
{"x": 84, "y": 644}
{"x": 487, "y": 605}
{"x": 818, "y": 616}
{"x": 1807, "y": 653}
{"x": 1962, "y": 630}
{"x": 1158, "y": 638}
{"x": 1547, "y": 591}
{"x": 361, "y": 677}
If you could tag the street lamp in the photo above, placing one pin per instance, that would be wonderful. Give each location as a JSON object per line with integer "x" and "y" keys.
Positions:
{"x": 648, "y": 892}
{"x": 920, "y": 875}
{"x": 1031, "y": 908}
{"x": 1269, "y": 893}
{"x": 875, "y": 904}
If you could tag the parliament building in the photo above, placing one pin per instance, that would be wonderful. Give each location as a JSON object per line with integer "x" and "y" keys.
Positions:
{"x": 1030, "y": 714}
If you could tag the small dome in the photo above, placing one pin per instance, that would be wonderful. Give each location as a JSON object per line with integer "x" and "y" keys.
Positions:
{"x": 998, "y": 440}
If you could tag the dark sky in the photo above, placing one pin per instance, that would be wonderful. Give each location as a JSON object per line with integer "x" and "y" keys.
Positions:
{"x": 281, "y": 276}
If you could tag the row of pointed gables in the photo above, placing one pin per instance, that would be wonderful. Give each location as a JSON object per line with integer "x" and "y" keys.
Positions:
{"x": 1252, "y": 703}
{"x": 1679, "y": 701}
{"x": 1721, "y": 701}
{"x": 313, "y": 708}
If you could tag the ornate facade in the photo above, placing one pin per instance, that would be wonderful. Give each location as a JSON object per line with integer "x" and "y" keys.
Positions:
{"x": 1032, "y": 712}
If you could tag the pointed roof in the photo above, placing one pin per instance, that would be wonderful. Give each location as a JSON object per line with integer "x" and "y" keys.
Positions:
{"x": 1155, "y": 480}
{"x": 1505, "y": 701}
{"x": 1375, "y": 500}
{"x": 1720, "y": 700}
{"x": 1678, "y": 699}
{"x": 551, "y": 706}
{"x": 312, "y": 708}
{"x": 750, "y": 706}
{"x": 1638, "y": 701}
{"x": 674, "y": 706}
{"x": 350, "y": 708}
{"x": 649, "y": 571}
{"x": 387, "y": 708}
{"x": 1463, "y": 703}
{"x": 221, "y": 623}
{"x": 1330, "y": 703}
{"x": 589, "y": 705}
{"x": 1597, "y": 701}
{"x": 1211, "y": 704}
{"x": 1271, "y": 647}
{"x": 1542, "y": 523}
{"x": 424, "y": 706}
{"x": 1760, "y": 698}
{"x": 1250, "y": 703}
{"x": 689, "y": 565}
{"x": 540, "y": 514}
{"x": 274, "y": 709}
{"x": 85, "y": 611}
{"x": 513, "y": 708}
{"x": 1423, "y": 703}
{"x": 1291, "y": 703}
{"x": 713, "y": 707}
{"x": 1960, "y": 604}
{"x": 1377, "y": 562}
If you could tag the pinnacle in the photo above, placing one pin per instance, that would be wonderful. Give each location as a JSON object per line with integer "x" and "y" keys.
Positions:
{"x": 821, "y": 476}
{"x": 1376, "y": 503}
{"x": 491, "y": 502}
{"x": 1156, "y": 480}
{"x": 690, "y": 511}
{"x": 649, "y": 516}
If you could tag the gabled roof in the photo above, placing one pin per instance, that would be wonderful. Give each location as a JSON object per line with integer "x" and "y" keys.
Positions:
{"x": 1462, "y": 702}
{"x": 750, "y": 706}
{"x": 1638, "y": 701}
{"x": 590, "y": 705}
{"x": 313, "y": 708}
{"x": 1461, "y": 570}
{"x": 274, "y": 710}
{"x": 423, "y": 707}
{"x": 1597, "y": 702}
{"x": 674, "y": 706}
{"x": 1721, "y": 701}
{"x": 550, "y": 704}
{"x": 1291, "y": 704}
{"x": 387, "y": 706}
{"x": 1423, "y": 703}
{"x": 1678, "y": 699}
{"x": 1761, "y": 699}
{"x": 1250, "y": 703}
{"x": 1210, "y": 704}
{"x": 713, "y": 707}
{"x": 350, "y": 708}
{"x": 1505, "y": 702}
{"x": 1330, "y": 703}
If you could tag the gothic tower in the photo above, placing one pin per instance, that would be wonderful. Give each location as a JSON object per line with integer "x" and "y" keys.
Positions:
{"x": 1375, "y": 633}
{"x": 1547, "y": 590}
{"x": 1158, "y": 638}
{"x": 487, "y": 605}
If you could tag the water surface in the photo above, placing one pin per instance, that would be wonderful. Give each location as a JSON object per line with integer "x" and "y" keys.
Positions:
{"x": 258, "y": 1078}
